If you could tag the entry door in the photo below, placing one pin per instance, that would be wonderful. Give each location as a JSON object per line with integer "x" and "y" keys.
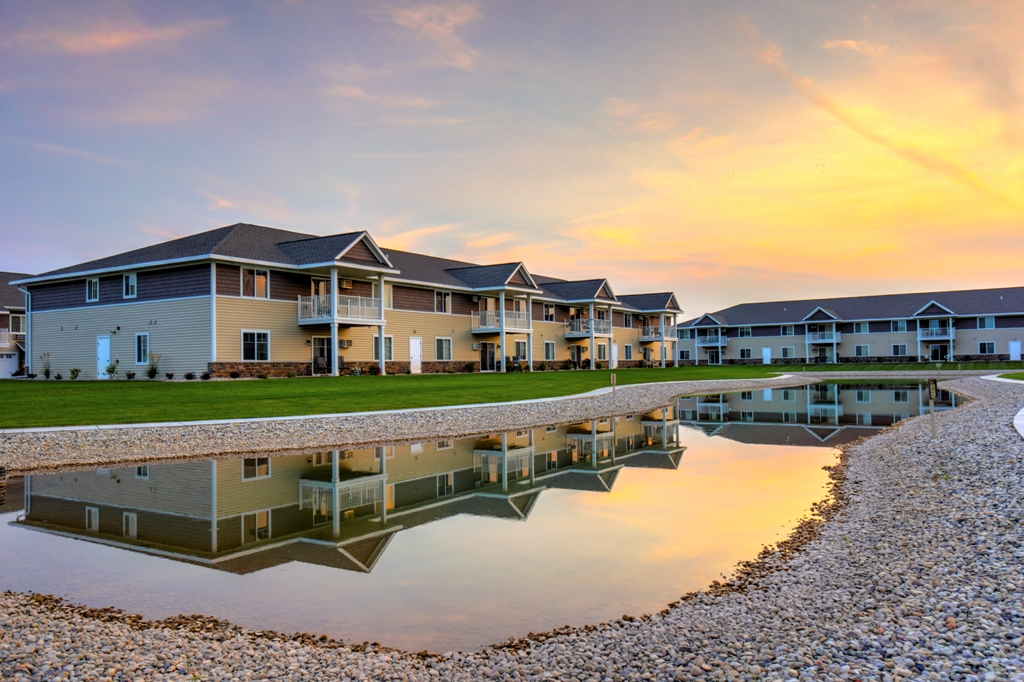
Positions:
{"x": 486, "y": 357}
{"x": 415, "y": 354}
{"x": 1015, "y": 350}
{"x": 766, "y": 355}
{"x": 939, "y": 352}
{"x": 321, "y": 354}
{"x": 713, "y": 357}
{"x": 615, "y": 356}
{"x": 102, "y": 356}
{"x": 130, "y": 523}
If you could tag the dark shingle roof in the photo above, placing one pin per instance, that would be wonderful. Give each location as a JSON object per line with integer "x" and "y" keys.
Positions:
{"x": 10, "y": 295}
{"x": 478, "y": 276}
{"x": 896, "y": 306}
{"x": 318, "y": 249}
{"x": 581, "y": 290}
{"x": 652, "y": 302}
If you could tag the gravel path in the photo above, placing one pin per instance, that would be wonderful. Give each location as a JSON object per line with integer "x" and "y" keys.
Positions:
{"x": 914, "y": 571}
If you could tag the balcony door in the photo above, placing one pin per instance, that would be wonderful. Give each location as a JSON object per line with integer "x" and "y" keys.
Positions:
{"x": 939, "y": 351}
{"x": 487, "y": 357}
{"x": 320, "y": 287}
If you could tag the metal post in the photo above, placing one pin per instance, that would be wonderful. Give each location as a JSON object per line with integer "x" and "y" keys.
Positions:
{"x": 529, "y": 337}
{"x": 334, "y": 322}
{"x": 664, "y": 426}
{"x": 501, "y": 330}
{"x": 593, "y": 356}
{"x": 504, "y": 462}
{"x": 335, "y": 495}
{"x": 662, "y": 333}
{"x": 380, "y": 328}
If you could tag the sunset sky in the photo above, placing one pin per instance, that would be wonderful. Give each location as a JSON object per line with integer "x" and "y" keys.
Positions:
{"x": 729, "y": 151}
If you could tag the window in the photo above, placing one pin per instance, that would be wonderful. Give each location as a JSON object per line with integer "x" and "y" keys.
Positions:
{"x": 987, "y": 348}
{"x": 551, "y": 460}
{"x": 860, "y": 328}
{"x": 863, "y": 419}
{"x": 789, "y": 417}
{"x": 255, "y": 283}
{"x": 442, "y": 348}
{"x": 901, "y": 396}
{"x": 744, "y": 333}
{"x": 255, "y": 346}
{"x": 445, "y": 484}
{"x": 130, "y": 288}
{"x": 898, "y": 326}
{"x": 986, "y": 323}
{"x": 442, "y": 302}
{"x": 788, "y": 395}
{"x": 256, "y": 526}
{"x": 684, "y": 354}
{"x": 549, "y": 312}
{"x": 387, "y": 451}
{"x": 601, "y": 314}
{"x": 787, "y": 330}
{"x": 92, "y": 519}
{"x": 92, "y": 290}
{"x": 862, "y": 351}
{"x": 747, "y": 416}
{"x": 520, "y": 349}
{"x": 388, "y": 349}
{"x": 416, "y": 448}
{"x": 387, "y": 293}
{"x": 900, "y": 417}
{"x": 130, "y": 524}
{"x": 627, "y": 320}
{"x": 445, "y": 444}
{"x": 549, "y": 350}
{"x": 142, "y": 472}
{"x": 142, "y": 348}
{"x": 684, "y": 334}
{"x": 744, "y": 354}
{"x": 788, "y": 352}
{"x": 325, "y": 458}
{"x": 899, "y": 349}
{"x": 255, "y": 467}
{"x": 627, "y": 351}
{"x": 602, "y": 351}
{"x": 747, "y": 396}
{"x": 863, "y": 396}
{"x": 550, "y": 429}
{"x": 17, "y": 324}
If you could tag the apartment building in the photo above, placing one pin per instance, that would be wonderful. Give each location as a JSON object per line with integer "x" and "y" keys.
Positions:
{"x": 947, "y": 326}
{"x": 246, "y": 300}
{"x": 12, "y": 325}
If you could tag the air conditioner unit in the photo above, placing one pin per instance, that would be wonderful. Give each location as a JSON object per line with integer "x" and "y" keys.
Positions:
{"x": 476, "y": 346}
{"x": 345, "y": 343}
{"x": 476, "y": 299}
{"x": 346, "y": 283}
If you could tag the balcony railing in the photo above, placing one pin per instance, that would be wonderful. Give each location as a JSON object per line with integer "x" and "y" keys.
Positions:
{"x": 349, "y": 307}
{"x": 935, "y": 333}
{"x": 648, "y": 332}
{"x": 581, "y": 327}
{"x": 824, "y": 337}
{"x": 717, "y": 340}
{"x": 491, "y": 320}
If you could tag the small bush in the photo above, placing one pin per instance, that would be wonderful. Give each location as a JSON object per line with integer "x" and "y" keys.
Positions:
{"x": 169, "y": 375}
{"x": 543, "y": 367}
{"x": 129, "y": 375}
{"x": 154, "y": 365}
{"x": 45, "y": 359}
{"x": 291, "y": 375}
{"x": 567, "y": 364}
{"x": 205, "y": 376}
{"x": 190, "y": 376}
{"x": 470, "y": 367}
{"x": 74, "y": 373}
{"x": 234, "y": 375}
{"x": 264, "y": 376}
{"x": 59, "y": 376}
{"x": 111, "y": 369}
{"x": 375, "y": 370}
{"x": 600, "y": 365}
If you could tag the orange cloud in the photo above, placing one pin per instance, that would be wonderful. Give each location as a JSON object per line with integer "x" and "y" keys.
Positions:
{"x": 436, "y": 25}
{"x": 631, "y": 116}
{"x": 110, "y": 38}
{"x": 862, "y": 46}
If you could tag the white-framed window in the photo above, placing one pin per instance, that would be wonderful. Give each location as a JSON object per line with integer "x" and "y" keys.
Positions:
{"x": 550, "y": 429}
{"x": 684, "y": 354}
{"x": 445, "y": 484}
{"x": 92, "y": 290}
{"x": 602, "y": 351}
{"x": 747, "y": 416}
{"x": 766, "y": 395}
{"x": 442, "y": 348}
{"x": 389, "y": 348}
{"x": 549, "y": 312}
{"x": 901, "y": 396}
{"x": 142, "y": 348}
{"x": 256, "y": 526}
{"x": 684, "y": 334}
{"x": 746, "y": 396}
{"x": 627, "y": 351}
{"x": 324, "y": 458}
{"x": 986, "y": 322}
{"x": 254, "y": 468}
{"x": 789, "y": 417}
{"x": 601, "y": 314}
{"x": 445, "y": 444}
{"x": 744, "y": 332}
{"x": 130, "y": 524}
{"x": 17, "y": 324}
{"x": 255, "y": 345}
{"x": 130, "y": 285}
{"x": 387, "y": 451}
{"x": 92, "y": 519}
{"x": 551, "y": 461}
{"x": 788, "y": 352}
{"x": 416, "y": 448}
{"x": 861, "y": 328}
{"x": 863, "y": 419}
{"x": 987, "y": 348}
{"x": 862, "y": 350}
{"x": 255, "y": 283}
{"x": 745, "y": 353}
{"x": 627, "y": 320}
{"x": 898, "y": 326}
{"x": 520, "y": 349}
{"x": 142, "y": 472}
{"x": 388, "y": 293}
{"x": 788, "y": 395}
{"x": 863, "y": 395}
{"x": 442, "y": 301}
{"x": 788, "y": 330}
{"x": 549, "y": 350}
{"x": 899, "y": 349}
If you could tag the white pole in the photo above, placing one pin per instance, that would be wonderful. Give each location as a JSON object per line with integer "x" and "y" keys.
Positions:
{"x": 335, "y": 495}
{"x": 334, "y": 322}
{"x": 504, "y": 462}
{"x": 662, "y": 328}
{"x": 593, "y": 359}
{"x": 380, "y": 328}
{"x": 529, "y": 337}
{"x": 384, "y": 485}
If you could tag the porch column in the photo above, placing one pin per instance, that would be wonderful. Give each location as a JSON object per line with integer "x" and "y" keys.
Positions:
{"x": 835, "y": 344}
{"x": 213, "y": 505}
{"x": 334, "y": 322}
{"x": 675, "y": 342}
{"x": 380, "y": 328}
{"x": 504, "y": 462}
{"x": 336, "y": 494}
{"x": 662, "y": 324}
{"x": 593, "y": 443}
{"x": 529, "y": 341}
{"x": 501, "y": 330}
{"x": 664, "y": 426}
{"x": 615, "y": 438}
{"x": 593, "y": 355}
{"x": 384, "y": 484}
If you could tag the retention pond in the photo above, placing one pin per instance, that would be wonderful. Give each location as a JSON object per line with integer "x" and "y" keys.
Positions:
{"x": 447, "y": 544}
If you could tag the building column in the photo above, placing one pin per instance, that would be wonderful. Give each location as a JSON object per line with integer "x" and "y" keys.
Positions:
{"x": 593, "y": 345}
{"x": 213, "y": 506}
{"x": 662, "y": 327}
{"x": 384, "y": 485}
{"x": 380, "y": 328}
{"x": 593, "y": 443}
{"x": 615, "y": 438}
{"x": 334, "y": 322}
{"x": 675, "y": 342}
{"x": 501, "y": 331}
{"x": 335, "y": 495}
{"x": 504, "y": 462}
{"x": 529, "y": 340}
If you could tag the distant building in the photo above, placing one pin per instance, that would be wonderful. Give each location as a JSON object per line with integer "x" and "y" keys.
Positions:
{"x": 12, "y": 325}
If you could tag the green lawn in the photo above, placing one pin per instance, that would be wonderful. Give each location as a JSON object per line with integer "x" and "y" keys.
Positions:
{"x": 1019, "y": 376}
{"x": 67, "y": 403}
{"x": 914, "y": 366}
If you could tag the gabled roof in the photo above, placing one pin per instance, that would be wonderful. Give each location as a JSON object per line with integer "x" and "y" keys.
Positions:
{"x": 579, "y": 291}
{"x": 934, "y": 308}
{"x": 820, "y": 313}
{"x": 334, "y": 248}
{"x": 494, "y": 276}
{"x": 715, "y": 320}
{"x": 11, "y": 297}
{"x": 662, "y": 302}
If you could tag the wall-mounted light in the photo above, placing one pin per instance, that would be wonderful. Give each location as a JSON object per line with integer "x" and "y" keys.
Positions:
{"x": 309, "y": 342}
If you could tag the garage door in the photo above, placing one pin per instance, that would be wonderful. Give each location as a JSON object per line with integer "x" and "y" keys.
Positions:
{"x": 8, "y": 364}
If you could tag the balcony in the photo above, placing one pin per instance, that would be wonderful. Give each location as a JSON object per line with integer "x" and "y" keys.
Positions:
{"x": 715, "y": 340}
{"x": 824, "y": 337}
{"x": 351, "y": 310}
{"x": 581, "y": 327}
{"x": 653, "y": 332}
{"x": 930, "y": 333}
{"x": 489, "y": 322}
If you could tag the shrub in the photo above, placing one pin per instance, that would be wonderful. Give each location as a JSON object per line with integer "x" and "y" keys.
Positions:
{"x": 205, "y": 376}
{"x": 264, "y": 376}
{"x": 234, "y": 375}
{"x": 154, "y": 365}
{"x": 169, "y": 375}
{"x": 374, "y": 370}
{"x": 600, "y": 365}
{"x": 31, "y": 376}
{"x": 470, "y": 367}
{"x": 543, "y": 367}
{"x": 59, "y": 376}
{"x": 567, "y": 364}
{"x": 190, "y": 376}
{"x": 74, "y": 373}
{"x": 45, "y": 359}
{"x": 129, "y": 375}
{"x": 291, "y": 375}
{"x": 111, "y": 369}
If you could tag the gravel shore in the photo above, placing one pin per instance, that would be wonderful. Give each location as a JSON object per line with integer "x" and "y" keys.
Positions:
{"x": 915, "y": 570}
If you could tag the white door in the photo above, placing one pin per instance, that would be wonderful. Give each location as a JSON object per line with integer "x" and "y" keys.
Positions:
{"x": 615, "y": 356}
{"x": 130, "y": 521}
{"x": 8, "y": 365}
{"x": 766, "y": 355}
{"x": 415, "y": 354}
{"x": 1015, "y": 350}
{"x": 102, "y": 356}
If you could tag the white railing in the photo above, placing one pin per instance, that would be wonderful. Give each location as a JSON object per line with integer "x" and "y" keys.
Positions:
{"x": 351, "y": 494}
{"x": 717, "y": 340}
{"x": 3, "y": 337}
{"x": 349, "y": 307}
{"x": 582, "y": 326}
{"x": 936, "y": 333}
{"x": 826, "y": 337}
{"x": 491, "y": 319}
{"x": 654, "y": 331}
